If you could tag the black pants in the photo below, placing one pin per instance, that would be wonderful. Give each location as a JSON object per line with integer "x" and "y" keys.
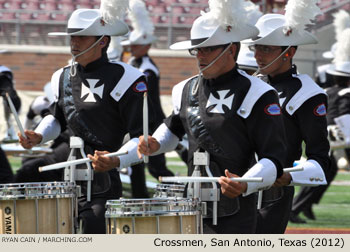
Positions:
{"x": 6, "y": 175}
{"x": 92, "y": 214}
{"x": 157, "y": 166}
{"x": 243, "y": 222}
{"x": 273, "y": 216}
{"x": 29, "y": 171}
{"x": 138, "y": 182}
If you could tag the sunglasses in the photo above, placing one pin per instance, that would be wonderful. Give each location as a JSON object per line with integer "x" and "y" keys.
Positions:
{"x": 204, "y": 50}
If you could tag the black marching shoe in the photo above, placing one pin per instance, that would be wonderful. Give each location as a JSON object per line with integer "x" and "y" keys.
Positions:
{"x": 294, "y": 218}
{"x": 309, "y": 213}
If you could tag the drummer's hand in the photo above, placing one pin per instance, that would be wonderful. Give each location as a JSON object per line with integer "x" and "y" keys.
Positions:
{"x": 284, "y": 180}
{"x": 102, "y": 163}
{"x": 32, "y": 139}
{"x": 149, "y": 148}
{"x": 229, "y": 188}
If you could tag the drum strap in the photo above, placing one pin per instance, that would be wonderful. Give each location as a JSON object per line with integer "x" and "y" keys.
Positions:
{"x": 102, "y": 180}
{"x": 73, "y": 118}
{"x": 196, "y": 125}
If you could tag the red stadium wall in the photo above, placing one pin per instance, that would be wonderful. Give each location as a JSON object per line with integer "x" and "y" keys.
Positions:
{"x": 32, "y": 70}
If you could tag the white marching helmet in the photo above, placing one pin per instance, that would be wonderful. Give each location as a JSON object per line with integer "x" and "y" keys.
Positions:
{"x": 226, "y": 22}
{"x": 272, "y": 32}
{"x": 141, "y": 22}
{"x": 341, "y": 62}
{"x": 330, "y": 54}
{"x": 288, "y": 29}
{"x": 97, "y": 22}
{"x": 115, "y": 48}
{"x": 341, "y": 22}
{"x": 246, "y": 59}
{"x": 340, "y": 69}
{"x": 137, "y": 38}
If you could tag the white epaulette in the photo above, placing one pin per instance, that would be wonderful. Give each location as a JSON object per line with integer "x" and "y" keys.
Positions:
{"x": 5, "y": 69}
{"x": 176, "y": 94}
{"x": 55, "y": 83}
{"x": 308, "y": 89}
{"x": 344, "y": 91}
{"x": 130, "y": 75}
{"x": 256, "y": 90}
{"x": 321, "y": 70}
{"x": 147, "y": 65}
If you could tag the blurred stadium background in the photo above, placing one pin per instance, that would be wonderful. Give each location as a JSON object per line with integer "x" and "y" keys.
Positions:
{"x": 33, "y": 57}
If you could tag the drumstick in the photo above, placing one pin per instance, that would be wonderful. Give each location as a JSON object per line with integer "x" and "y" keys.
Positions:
{"x": 145, "y": 124}
{"x": 293, "y": 169}
{"x": 206, "y": 179}
{"x": 76, "y": 162}
{"x": 14, "y": 112}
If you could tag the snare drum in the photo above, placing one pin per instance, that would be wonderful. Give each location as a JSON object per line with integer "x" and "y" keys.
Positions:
{"x": 154, "y": 216}
{"x": 37, "y": 208}
{"x": 169, "y": 191}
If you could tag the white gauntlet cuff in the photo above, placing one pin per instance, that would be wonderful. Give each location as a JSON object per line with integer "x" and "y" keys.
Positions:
{"x": 266, "y": 169}
{"x": 49, "y": 128}
{"x": 167, "y": 140}
{"x": 311, "y": 175}
{"x": 131, "y": 158}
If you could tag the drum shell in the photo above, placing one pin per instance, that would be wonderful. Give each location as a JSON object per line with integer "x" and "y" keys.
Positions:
{"x": 43, "y": 208}
{"x": 152, "y": 216}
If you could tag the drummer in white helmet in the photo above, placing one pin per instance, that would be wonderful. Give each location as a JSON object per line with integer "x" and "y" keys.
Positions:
{"x": 338, "y": 120}
{"x": 227, "y": 113}
{"x": 341, "y": 22}
{"x": 99, "y": 101}
{"x": 303, "y": 103}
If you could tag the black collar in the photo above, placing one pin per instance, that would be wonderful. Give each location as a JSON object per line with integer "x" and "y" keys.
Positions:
{"x": 224, "y": 78}
{"x": 283, "y": 76}
{"x": 92, "y": 66}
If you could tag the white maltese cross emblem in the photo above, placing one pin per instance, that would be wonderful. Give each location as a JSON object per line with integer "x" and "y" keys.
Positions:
{"x": 91, "y": 90}
{"x": 219, "y": 103}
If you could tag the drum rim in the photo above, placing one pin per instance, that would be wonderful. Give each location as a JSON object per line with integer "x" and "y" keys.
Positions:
{"x": 155, "y": 199}
{"x": 127, "y": 208}
{"x": 38, "y": 190}
{"x": 151, "y": 214}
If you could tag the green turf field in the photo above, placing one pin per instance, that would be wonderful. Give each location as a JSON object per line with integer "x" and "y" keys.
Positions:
{"x": 332, "y": 212}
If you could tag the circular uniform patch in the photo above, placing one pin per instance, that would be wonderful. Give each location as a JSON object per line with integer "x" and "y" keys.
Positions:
{"x": 272, "y": 109}
{"x": 140, "y": 87}
{"x": 320, "y": 110}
